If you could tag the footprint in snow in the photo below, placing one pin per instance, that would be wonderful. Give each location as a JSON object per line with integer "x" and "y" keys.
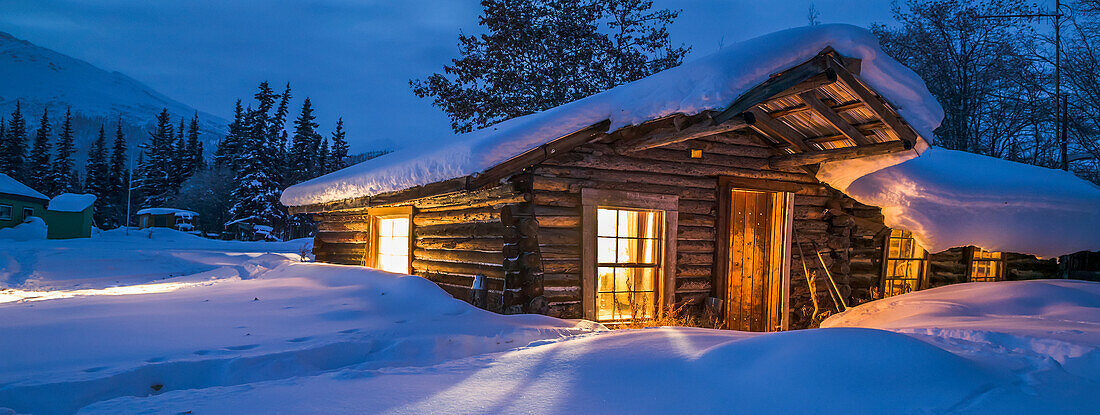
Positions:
{"x": 244, "y": 347}
{"x": 300, "y": 339}
{"x": 349, "y": 331}
{"x": 94, "y": 369}
{"x": 202, "y": 352}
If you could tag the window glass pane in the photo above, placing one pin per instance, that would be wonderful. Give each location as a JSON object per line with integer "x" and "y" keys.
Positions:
{"x": 605, "y": 279}
{"x": 623, "y": 279}
{"x": 605, "y": 222}
{"x": 605, "y": 303}
{"x": 628, "y": 251}
{"x": 648, "y": 251}
{"x": 645, "y": 279}
{"x": 628, "y": 223}
{"x": 400, "y": 226}
{"x": 605, "y": 250}
{"x": 392, "y": 244}
{"x": 5, "y": 212}
{"x": 904, "y": 263}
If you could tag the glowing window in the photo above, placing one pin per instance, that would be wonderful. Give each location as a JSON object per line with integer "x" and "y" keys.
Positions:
{"x": 628, "y": 257}
{"x": 904, "y": 266}
{"x": 986, "y": 266}
{"x": 391, "y": 244}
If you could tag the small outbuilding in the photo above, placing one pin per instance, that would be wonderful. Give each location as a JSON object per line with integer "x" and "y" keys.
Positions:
{"x": 69, "y": 215}
{"x": 19, "y": 202}
{"x": 178, "y": 219}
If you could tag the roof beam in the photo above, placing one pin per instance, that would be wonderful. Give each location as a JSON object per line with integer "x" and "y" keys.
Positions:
{"x": 876, "y": 105}
{"x": 672, "y": 135}
{"x": 537, "y": 155}
{"x": 815, "y": 104}
{"x": 775, "y": 129}
{"x": 804, "y": 159}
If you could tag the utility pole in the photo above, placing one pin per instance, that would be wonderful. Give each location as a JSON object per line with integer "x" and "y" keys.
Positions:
{"x": 1060, "y": 106}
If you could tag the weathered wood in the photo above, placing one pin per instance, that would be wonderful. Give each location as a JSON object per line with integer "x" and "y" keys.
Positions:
{"x": 472, "y": 244}
{"x": 672, "y": 168}
{"x": 459, "y": 230}
{"x": 343, "y": 236}
{"x": 328, "y": 226}
{"x": 559, "y": 221}
{"x": 603, "y": 175}
{"x": 811, "y": 99}
{"x": 775, "y": 129}
{"x": 482, "y": 214}
{"x": 802, "y": 159}
{"x": 459, "y": 268}
{"x": 454, "y": 255}
{"x": 667, "y": 136}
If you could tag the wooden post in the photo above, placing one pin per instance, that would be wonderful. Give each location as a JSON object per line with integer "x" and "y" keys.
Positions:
{"x": 479, "y": 292}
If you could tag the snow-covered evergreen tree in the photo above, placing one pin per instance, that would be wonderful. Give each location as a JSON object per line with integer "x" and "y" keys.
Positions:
{"x": 324, "y": 159}
{"x": 302, "y": 156}
{"x": 194, "y": 146}
{"x": 13, "y": 151}
{"x": 63, "y": 178}
{"x": 339, "y": 148}
{"x": 118, "y": 180}
{"x": 156, "y": 185}
{"x": 225, "y": 155}
{"x": 38, "y": 173}
{"x": 256, "y": 186}
{"x": 96, "y": 176}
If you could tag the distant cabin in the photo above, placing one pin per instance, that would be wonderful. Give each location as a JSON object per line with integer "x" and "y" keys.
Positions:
{"x": 19, "y": 202}
{"x": 69, "y": 216}
{"x": 245, "y": 229}
{"x": 716, "y": 210}
{"x": 178, "y": 219}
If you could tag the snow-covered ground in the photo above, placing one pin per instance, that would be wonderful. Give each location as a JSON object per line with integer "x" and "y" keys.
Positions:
{"x": 232, "y": 327}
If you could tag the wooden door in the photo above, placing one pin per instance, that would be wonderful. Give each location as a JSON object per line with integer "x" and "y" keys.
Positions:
{"x": 755, "y": 242}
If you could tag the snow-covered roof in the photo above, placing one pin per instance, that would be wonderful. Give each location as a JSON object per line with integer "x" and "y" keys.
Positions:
{"x": 11, "y": 186}
{"x": 708, "y": 83}
{"x": 167, "y": 211}
{"x": 952, "y": 198}
{"x": 71, "y": 202}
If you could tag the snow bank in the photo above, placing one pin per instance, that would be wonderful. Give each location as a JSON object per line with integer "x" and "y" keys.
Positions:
{"x": 708, "y": 83}
{"x": 952, "y": 198}
{"x": 661, "y": 371}
{"x": 1046, "y": 319}
{"x": 71, "y": 202}
{"x": 31, "y": 229}
{"x": 14, "y": 187}
{"x": 262, "y": 319}
{"x": 167, "y": 211}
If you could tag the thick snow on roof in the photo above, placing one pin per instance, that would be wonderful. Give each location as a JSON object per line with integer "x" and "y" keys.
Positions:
{"x": 708, "y": 83}
{"x": 953, "y": 198}
{"x": 11, "y": 186}
{"x": 166, "y": 211}
{"x": 71, "y": 202}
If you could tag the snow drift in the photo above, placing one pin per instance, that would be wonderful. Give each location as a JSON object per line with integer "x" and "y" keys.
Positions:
{"x": 952, "y": 198}
{"x": 708, "y": 83}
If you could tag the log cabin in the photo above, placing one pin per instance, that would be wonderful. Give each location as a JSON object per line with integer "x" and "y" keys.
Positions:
{"x": 715, "y": 207}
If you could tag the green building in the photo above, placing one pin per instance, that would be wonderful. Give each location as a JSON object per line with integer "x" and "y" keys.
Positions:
{"x": 18, "y": 202}
{"x": 69, "y": 216}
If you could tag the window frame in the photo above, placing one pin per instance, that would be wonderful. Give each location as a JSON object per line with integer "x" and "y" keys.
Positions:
{"x": 370, "y": 257}
{"x": 970, "y": 260}
{"x": 922, "y": 277}
{"x": 11, "y": 212}
{"x": 25, "y": 209}
{"x": 593, "y": 199}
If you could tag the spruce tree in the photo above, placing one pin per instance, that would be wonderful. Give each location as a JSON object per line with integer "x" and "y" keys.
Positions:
{"x": 181, "y": 158}
{"x": 64, "y": 178}
{"x": 117, "y": 179}
{"x": 156, "y": 185}
{"x": 225, "y": 155}
{"x": 302, "y": 160}
{"x": 339, "y": 147}
{"x": 324, "y": 160}
{"x": 256, "y": 186}
{"x": 14, "y": 150}
{"x": 194, "y": 146}
{"x": 96, "y": 177}
{"x": 38, "y": 173}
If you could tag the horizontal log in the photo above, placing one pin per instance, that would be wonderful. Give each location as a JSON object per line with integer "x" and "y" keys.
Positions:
{"x": 572, "y": 248}
{"x": 482, "y": 214}
{"x": 698, "y": 207}
{"x": 695, "y": 246}
{"x": 489, "y": 197}
{"x": 559, "y": 221}
{"x": 821, "y": 156}
{"x": 712, "y": 147}
{"x": 458, "y": 268}
{"x": 692, "y": 284}
{"x": 343, "y": 236}
{"x": 690, "y": 271}
{"x": 715, "y": 159}
{"x": 545, "y": 184}
{"x": 694, "y": 219}
{"x": 608, "y": 162}
{"x": 569, "y": 293}
{"x": 561, "y": 280}
{"x": 695, "y": 233}
{"x": 459, "y": 230}
{"x": 559, "y": 236}
{"x": 665, "y": 136}
{"x": 469, "y": 244}
{"x": 626, "y": 176}
{"x": 454, "y": 255}
{"x": 337, "y": 218}
{"x": 691, "y": 258}
{"x": 495, "y": 285}
{"x": 551, "y": 266}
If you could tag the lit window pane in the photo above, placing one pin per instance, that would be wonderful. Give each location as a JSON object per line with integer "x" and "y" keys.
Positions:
{"x": 605, "y": 250}
{"x": 605, "y": 222}
{"x": 623, "y": 279}
{"x": 628, "y": 257}
{"x": 605, "y": 280}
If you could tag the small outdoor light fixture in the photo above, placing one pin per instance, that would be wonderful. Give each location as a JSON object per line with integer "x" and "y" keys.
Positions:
{"x": 696, "y": 153}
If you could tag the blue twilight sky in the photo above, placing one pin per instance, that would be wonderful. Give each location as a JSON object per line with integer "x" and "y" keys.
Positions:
{"x": 353, "y": 58}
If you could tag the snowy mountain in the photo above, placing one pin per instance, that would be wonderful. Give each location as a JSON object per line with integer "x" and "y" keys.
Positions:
{"x": 42, "y": 78}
